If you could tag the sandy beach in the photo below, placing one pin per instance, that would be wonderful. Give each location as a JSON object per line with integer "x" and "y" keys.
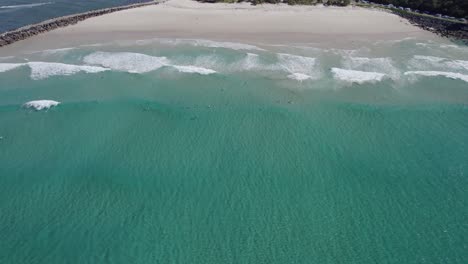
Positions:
{"x": 272, "y": 24}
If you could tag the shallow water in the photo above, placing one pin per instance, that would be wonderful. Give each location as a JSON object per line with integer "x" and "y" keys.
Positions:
{"x": 192, "y": 151}
{"x": 18, "y": 13}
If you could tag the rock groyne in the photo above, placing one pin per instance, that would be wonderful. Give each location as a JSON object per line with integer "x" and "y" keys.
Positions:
{"x": 48, "y": 25}
{"x": 441, "y": 27}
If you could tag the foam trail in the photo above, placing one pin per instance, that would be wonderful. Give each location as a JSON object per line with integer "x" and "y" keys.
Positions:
{"x": 298, "y": 66}
{"x": 299, "y": 76}
{"x": 24, "y": 6}
{"x": 450, "y": 75}
{"x": 126, "y": 61}
{"x": 420, "y": 62}
{"x": 204, "y": 43}
{"x": 9, "y": 66}
{"x": 56, "y": 51}
{"x": 462, "y": 64}
{"x": 6, "y": 58}
{"x": 384, "y": 65}
{"x": 217, "y": 63}
{"x": 194, "y": 69}
{"x": 227, "y": 45}
{"x": 295, "y": 63}
{"x": 357, "y": 76}
{"x": 211, "y": 61}
{"x": 41, "y": 104}
{"x": 42, "y": 70}
{"x": 250, "y": 61}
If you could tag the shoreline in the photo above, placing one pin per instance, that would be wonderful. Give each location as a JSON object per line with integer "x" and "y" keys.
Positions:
{"x": 240, "y": 22}
{"x": 447, "y": 29}
{"x": 22, "y": 33}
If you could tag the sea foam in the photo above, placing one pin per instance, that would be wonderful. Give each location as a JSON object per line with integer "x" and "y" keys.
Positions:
{"x": 126, "y": 61}
{"x": 251, "y": 61}
{"x": 383, "y": 65}
{"x": 42, "y": 70}
{"x": 203, "y": 43}
{"x": 41, "y": 104}
{"x": 299, "y": 76}
{"x": 298, "y": 66}
{"x": 9, "y": 66}
{"x": 450, "y": 75}
{"x": 56, "y": 51}
{"x": 194, "y": 69}
{"x": 427, "y": 63}
{"x": 357, "y": 76}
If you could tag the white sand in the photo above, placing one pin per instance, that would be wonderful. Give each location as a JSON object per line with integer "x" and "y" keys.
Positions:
{"x": 273, "y": 24}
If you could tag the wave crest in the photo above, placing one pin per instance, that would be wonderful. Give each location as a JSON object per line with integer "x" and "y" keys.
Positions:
{"x": 450, "y": 75}
{"x": 9, "y": 66}
{"x": 383, "y": 65}
{"x": 299, "y": 76}
{"x": 298, "y": 66}
{"x": 42, "y": 70}
{"x": 428, "y": 63}
{"x": 41, "y": 104}
{"x": 194, "y": 69}
{"x": 357, "y": 76}
{"x": 126, "y": 61}
{"x": 202, "y": 43}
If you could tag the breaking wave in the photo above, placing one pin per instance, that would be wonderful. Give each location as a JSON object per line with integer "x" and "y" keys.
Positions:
{"x": 450, "y": 75}
{"x": 419, "y": 62}
{"x": 299, "y": 76}
{"x": 42, "y": 70}
{"x": 357, "y": 76}
{"x": 194, "y": 69}
{"x": 41, "y": 104}
{"x": 383, "y": 65}
{"x": 9, "y": 66}
{"x": 126, "y": 61}
{"x": 196, "y": 43}
{"x": 299, "y": 66}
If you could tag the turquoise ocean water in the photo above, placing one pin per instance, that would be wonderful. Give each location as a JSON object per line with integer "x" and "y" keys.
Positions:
{"x": 194, "y": 151}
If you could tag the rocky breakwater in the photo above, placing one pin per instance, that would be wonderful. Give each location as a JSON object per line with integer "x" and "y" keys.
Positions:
{"x": 442, "y": 27}
{"x": 48, "y": 25}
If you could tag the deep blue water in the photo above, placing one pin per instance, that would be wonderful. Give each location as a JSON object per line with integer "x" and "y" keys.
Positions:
{"x": 18, "y": 13}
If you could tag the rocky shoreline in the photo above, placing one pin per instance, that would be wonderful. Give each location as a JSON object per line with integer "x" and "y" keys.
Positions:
{"x": 48, "y": 25}
{"x": 453, "y": 30}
